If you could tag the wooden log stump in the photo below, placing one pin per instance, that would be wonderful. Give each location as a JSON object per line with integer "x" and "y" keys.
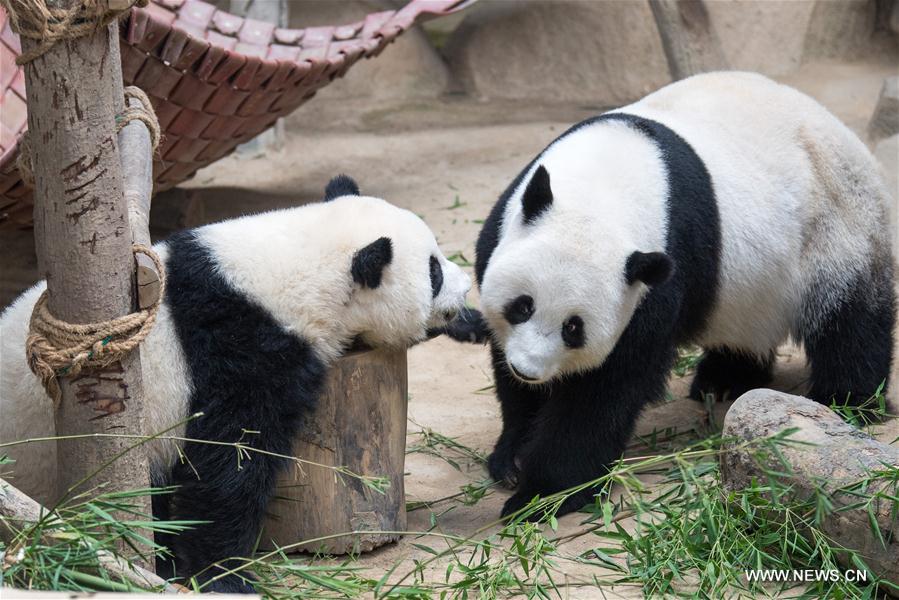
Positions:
{"x": 360, "y": 424}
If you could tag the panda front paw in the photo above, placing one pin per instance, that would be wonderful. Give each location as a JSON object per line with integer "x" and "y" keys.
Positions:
{"x": 468, "y": 327}
{"x": 502, "y": 468}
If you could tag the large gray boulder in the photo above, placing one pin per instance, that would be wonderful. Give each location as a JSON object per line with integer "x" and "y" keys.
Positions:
{"x": 836, "y": 455}
{"x": 597, "y": 53}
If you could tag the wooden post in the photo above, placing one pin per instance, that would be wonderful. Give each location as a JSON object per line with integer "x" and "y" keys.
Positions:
{"x": 83, "y": 242}
{"x": 688, "y": 37}
{"x": 360, "y": 423}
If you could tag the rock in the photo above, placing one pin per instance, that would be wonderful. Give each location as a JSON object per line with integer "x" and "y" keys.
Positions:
{"x": 409, "y": 68}
{"x": 839, "y": 455}
{"x": 847, "y": 31}
{"x": 776, "y": 37}
{"x": 600, "y": 53}
{"x": 767, "y": 37}
{"x": 885, "y": 120}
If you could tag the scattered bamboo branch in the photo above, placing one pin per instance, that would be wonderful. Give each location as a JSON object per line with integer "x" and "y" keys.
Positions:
{"x": 18, "y": 512}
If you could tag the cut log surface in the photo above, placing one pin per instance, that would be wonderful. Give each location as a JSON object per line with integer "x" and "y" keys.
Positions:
{"x": 838, "y": 455}
{"x": 360, "y": 424}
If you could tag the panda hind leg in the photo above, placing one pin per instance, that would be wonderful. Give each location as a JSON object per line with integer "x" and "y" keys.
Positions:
{"x": 728, "y": 374}
{"x": 851, "y": 350}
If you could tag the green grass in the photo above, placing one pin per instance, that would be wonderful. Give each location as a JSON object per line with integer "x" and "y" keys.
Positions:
{"x": 456, "y": 204}
{"x": 687, "y": 359}
{"x": 684, "y": 534}
{"x": 459, "y": 259}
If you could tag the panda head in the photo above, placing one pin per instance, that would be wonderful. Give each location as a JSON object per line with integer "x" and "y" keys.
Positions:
{"x": 556, "y": 294}
{"x": 400, "y": 283}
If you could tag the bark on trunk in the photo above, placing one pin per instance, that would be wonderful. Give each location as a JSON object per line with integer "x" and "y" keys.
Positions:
{"x": 83, "y": 243}
{"x": 688, "y": 37}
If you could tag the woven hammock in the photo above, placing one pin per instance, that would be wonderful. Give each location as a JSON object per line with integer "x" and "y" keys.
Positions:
{"x": 216, "y": 80}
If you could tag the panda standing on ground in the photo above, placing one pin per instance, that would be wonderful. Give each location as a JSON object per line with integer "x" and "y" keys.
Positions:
{"x": 724, "y": 210}
{"x": 255, "y": 310}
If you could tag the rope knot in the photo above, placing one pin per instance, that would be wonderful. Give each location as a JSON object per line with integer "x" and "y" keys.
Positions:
{"x": 47, "y": 26}
{"x": 55, "y": 348}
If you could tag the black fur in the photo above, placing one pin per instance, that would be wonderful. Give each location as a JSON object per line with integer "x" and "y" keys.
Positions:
{"x": 467, "y": 326}
{"x": 436, "y": 276}
{"x": 573, "y": 333}
{"x": 369, "y": 262}
{"x": 520, "y": 310}
{"x": 341, "y": 185}
{"x": 568, "y": 432}
{"x": 652, "y": 268}
{"x": 538, "y": 196}
{"x": 728, "y": 375}
{"x": 851, "y": 351}
{"x": 248, "y": 374}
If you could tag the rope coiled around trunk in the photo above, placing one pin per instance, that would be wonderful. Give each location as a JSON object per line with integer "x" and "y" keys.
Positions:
{"x": 55, "y": 348}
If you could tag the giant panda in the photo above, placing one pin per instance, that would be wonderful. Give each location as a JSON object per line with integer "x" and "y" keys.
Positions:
{"x": 723, "y": 210}
{"x": 256, "y": 308}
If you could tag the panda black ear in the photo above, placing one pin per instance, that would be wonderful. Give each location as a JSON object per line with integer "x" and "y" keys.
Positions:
{"x": 341, "y": 185}
{"x": 538, "y": 196}
{"x": 369, "y": 262}
{"x": 652, "y": 268}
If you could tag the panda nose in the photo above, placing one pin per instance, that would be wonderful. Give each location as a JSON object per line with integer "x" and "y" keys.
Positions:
{"x": 521, "y": 375}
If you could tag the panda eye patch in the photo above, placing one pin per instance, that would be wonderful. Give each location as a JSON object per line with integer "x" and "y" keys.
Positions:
{"x": 436, "y": 276}
{"x": 519, "y": 310}
{"x": 573, "y": 332}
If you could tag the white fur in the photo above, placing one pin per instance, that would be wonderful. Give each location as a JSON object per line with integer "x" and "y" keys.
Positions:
{"x": 794, "y": 188}
{"x": 296, "y": 264}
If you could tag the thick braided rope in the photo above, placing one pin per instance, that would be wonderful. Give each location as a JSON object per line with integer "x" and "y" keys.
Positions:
{"x": 55, "y": 348}
{"x": 143, "y": 113}
{"x": 35, "y": 20}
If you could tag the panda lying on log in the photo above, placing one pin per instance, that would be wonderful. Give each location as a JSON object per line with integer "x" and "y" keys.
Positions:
{"x": 256, "y": 309}
{"x": 724, "y": 210}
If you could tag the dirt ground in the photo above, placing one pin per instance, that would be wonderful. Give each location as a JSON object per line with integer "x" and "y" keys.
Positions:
{"x": 448, "y": 160}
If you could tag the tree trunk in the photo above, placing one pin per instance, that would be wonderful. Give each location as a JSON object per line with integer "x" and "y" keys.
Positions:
{"x": 83, "y": 242}
{"x": 688, "y": 37}
{"x": 360, "y": 424}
